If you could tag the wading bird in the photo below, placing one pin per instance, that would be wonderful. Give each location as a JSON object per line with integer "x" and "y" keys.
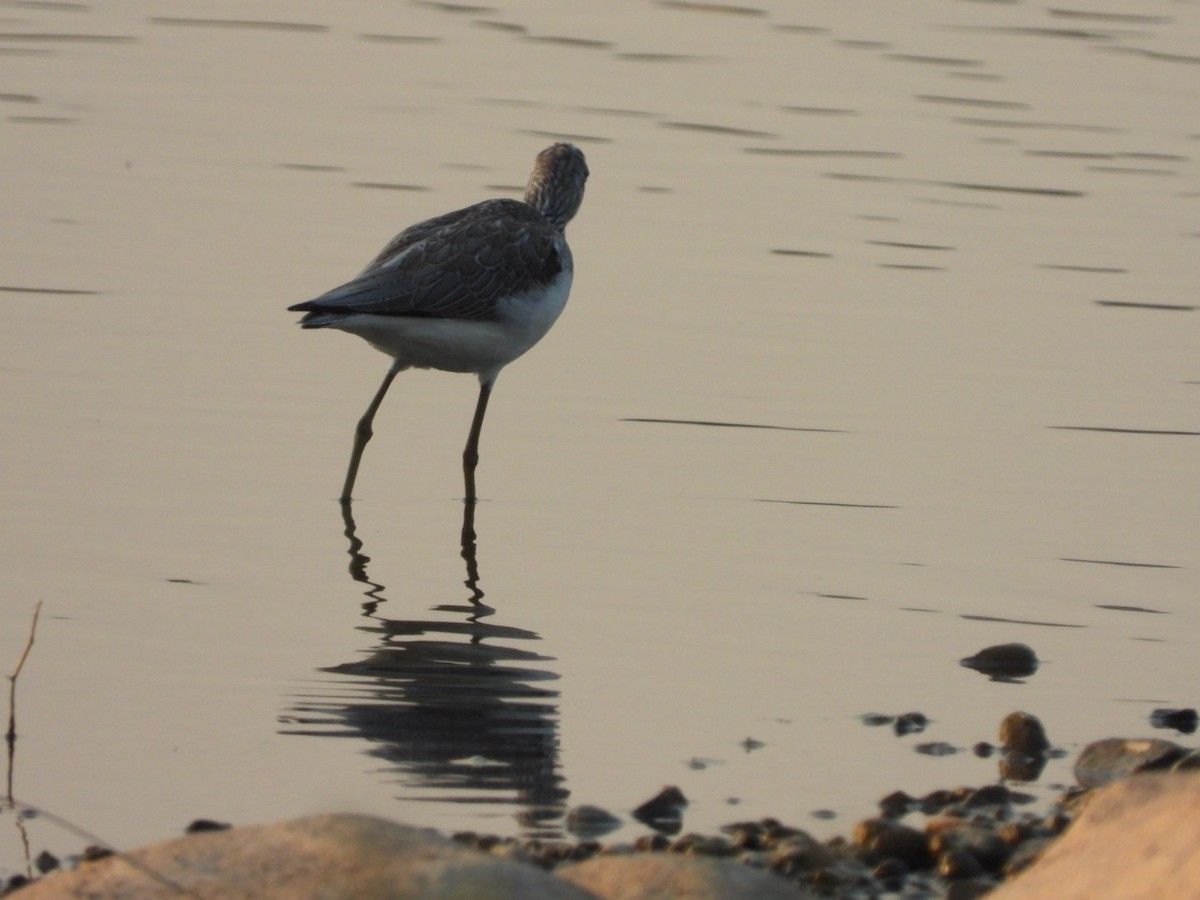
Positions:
{"x": 468, "y": 291}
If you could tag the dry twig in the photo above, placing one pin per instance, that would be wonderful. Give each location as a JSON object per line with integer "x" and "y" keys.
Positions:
{"x": 10, "y": 737}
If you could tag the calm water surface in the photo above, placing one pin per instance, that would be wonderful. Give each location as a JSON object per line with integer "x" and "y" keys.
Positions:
{"x": 882, "y": 348}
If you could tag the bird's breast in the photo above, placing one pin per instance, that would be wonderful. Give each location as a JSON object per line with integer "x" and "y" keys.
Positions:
{"x": 535, "y": 310}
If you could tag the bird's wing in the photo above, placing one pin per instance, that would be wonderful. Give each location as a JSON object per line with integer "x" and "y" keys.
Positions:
{"x": 454, "y": 266}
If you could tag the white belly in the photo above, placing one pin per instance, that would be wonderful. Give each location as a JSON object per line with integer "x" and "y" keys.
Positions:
{"x": 465, "y": 345}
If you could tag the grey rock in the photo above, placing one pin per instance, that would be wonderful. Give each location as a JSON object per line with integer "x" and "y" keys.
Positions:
{"x": 1102, "y": 762}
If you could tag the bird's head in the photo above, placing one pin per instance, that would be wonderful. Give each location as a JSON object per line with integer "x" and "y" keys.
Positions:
{"x": 555, "y": 188}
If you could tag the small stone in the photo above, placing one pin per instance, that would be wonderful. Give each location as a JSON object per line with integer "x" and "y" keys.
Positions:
{"x": 883, "y": 839}
{"x": 486, "y": 842}
{"x": 14, "y": 882}
{"x": 990, "y": 795}
{"x": 957, "y": 864}
{"x": 845, "y": 878}
{"x": 588, "y": 821}
{"x": 939, "y": 825}
{"x": 1003, "y": 661}
{"x": 910, "y": 723}
{"x": 936, "y": 801}
{"x": 1021, "y": 798}
{"x": 874, "y": 720}
{"x": 775, "y": 831}
{"x": 702, "y": 845}
{"x": 800, "y": 853}
{"x": 198, "y": 825}
{"x": 685, "y": 843}
{"x": 1021, "y": 732}
{"x": 936, "y": 748}
{"x": 1012, "y": 833}
{"x": 734, "y": 827}
{"x": 897, "y": 804}
{"x": 663, "y": 811}
{"x": 985, "y": 847}
{"x": 651, "y": 843}
{"x": 1182, "y": 720}
{"x": 746, "y": 839}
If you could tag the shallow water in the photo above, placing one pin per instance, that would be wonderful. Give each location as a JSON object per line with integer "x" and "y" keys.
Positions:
{"x": 881, "y": 349}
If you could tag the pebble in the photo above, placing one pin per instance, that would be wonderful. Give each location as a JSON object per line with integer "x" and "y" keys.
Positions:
{"x": 936, "y": 748}
{"x": 1021, "y": 732}
{"x": 799, "y": 853}
{"x": 1182, "y": 720}
{"x": 588, "y": 821}
{"x": 663, "y": 811}
{"x": 910, "y": 723}
{"x": 982, "y": 844}
{"x": 886, "y": 838}
{"x": 1004, "y": 661}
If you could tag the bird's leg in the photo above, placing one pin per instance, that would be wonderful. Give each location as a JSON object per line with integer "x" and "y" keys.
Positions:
{"x": 363, "y": 431}
{"x": 471, "y": 452}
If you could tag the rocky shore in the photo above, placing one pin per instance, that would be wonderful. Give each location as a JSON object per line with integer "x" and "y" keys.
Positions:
{"x": 1128, "y": 829}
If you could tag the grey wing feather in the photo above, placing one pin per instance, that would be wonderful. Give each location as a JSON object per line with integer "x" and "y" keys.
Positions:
{"x": 455, "y": 266}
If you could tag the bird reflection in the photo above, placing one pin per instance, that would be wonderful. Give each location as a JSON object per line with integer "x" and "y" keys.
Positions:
{"x": 458, "y": 708}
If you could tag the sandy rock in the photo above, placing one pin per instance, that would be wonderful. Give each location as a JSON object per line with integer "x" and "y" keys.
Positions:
{"x": 659, "y": 875}
{"x": 335, "y": 857}
{"x": 1137, "y": 839}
